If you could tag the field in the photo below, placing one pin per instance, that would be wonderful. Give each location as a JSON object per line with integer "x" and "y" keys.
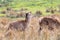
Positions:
{"x": 29, "y": 19}
{"x": 33, "y": 31}
{"x": 32, "y": 5}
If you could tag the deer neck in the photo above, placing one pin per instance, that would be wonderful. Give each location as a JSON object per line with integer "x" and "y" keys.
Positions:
{"x": 28, "y": 20}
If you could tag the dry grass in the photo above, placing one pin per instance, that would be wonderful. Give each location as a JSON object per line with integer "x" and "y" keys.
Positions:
{"x": 32, "y": 32}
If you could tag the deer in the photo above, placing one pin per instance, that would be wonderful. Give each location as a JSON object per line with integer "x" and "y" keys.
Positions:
{"x": 22, "y": 24}
{"x": 50, "y": 22}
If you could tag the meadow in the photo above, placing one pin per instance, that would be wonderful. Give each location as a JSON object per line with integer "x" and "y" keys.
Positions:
{"x": 31, "y": 5}
{"x": 29, "y": 20}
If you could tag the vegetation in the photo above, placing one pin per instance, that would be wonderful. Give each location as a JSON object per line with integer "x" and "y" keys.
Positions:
{"x": 14, "y": 25}
{"x": 32, "y": 5}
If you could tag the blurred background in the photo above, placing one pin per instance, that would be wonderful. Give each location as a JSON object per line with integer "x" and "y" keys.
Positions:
{"x": 18, "y": 8}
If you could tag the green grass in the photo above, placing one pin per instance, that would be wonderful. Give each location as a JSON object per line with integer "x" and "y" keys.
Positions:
{"x": 2, "y": 15}
{"x": 32, "y": 5}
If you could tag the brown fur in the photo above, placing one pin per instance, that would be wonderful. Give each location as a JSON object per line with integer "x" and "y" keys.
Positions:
{"x": 50, "y": 22}
{"x": 21, "y": 25}
{"x": 18, "y": 25}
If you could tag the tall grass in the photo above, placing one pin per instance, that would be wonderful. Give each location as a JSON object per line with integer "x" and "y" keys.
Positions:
{"x": 31, "y": 33}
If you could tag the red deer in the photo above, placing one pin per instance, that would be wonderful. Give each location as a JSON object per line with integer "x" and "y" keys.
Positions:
{"x": 50, "y": 22}
{"x": 21, "y": 25}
